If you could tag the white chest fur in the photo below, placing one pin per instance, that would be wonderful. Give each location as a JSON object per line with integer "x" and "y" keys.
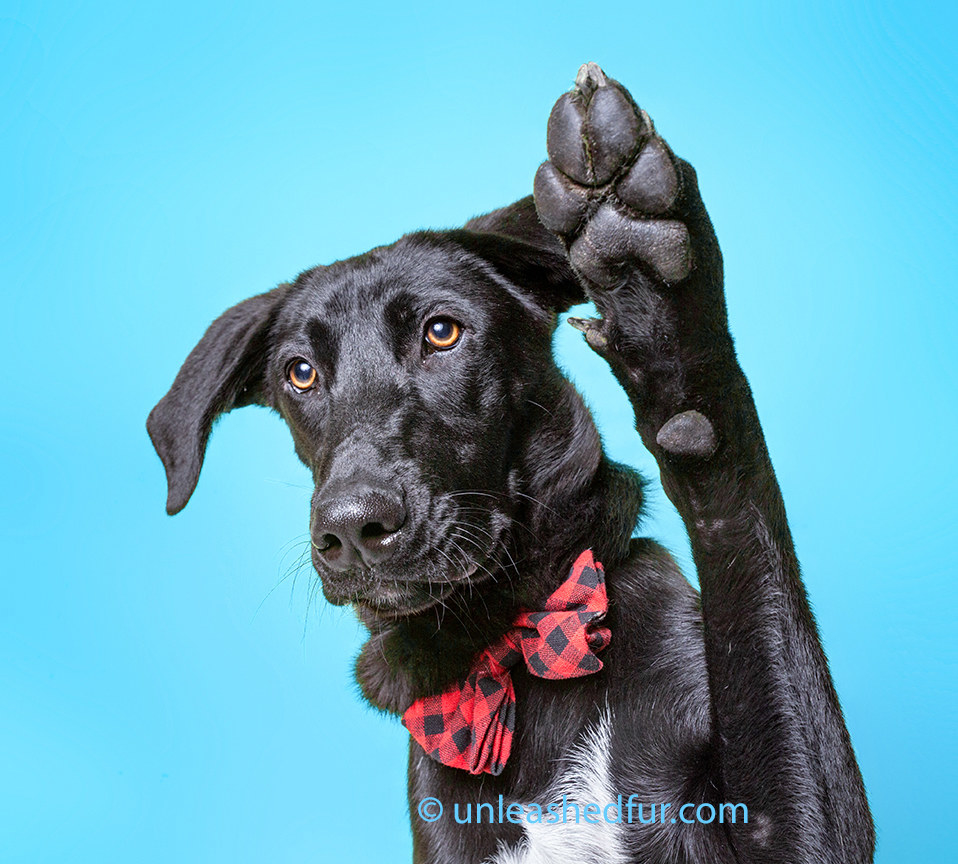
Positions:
{"x": 585, "y": 779}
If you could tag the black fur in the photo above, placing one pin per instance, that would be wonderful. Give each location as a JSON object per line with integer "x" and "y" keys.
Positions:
{"x": 500, "y": 481}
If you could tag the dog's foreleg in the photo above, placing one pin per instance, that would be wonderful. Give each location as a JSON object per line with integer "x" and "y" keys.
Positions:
{"x": 631, "y": 218}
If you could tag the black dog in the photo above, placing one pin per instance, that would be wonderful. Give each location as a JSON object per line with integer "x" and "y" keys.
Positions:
{"x": 459, "y": 477}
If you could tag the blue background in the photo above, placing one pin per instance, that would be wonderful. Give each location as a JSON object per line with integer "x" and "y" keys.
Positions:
{"x": 171, "y": 689}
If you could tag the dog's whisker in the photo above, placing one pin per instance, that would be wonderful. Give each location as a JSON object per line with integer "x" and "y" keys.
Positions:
{"x": 463, "y": 510}
{"x": 289, "y": 483}
{"x": 382, "y": 649}
{"x": 451, "y": 611}
{"x": 461, "y": 492}
{"x": 537, "y": 501}
{"x": 452, "y": 561}
{"x": 471, "y": 586}
{"x": 465, "y": 556}
{"x": 462, "y": 526}
{"x": 464, "y": 533}
{"x": 466, "y": 537}
{"x": 304, "y": 563}
{"x": 543, "y": 407}
{"x": 292, "y": 570}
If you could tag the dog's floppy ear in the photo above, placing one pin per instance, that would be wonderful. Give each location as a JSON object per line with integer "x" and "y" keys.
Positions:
{"x": 542, "y": 273}
{"x": 517, "y": 245}
{"x": 224, "y": 371}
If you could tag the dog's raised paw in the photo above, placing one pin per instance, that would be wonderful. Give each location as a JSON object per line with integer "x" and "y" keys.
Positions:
{"x": 610, "y": 186}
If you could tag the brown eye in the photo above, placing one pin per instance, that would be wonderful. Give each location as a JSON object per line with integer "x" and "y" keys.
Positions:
{"x": 442, "y": 333}
{"x": 301, "y": 375}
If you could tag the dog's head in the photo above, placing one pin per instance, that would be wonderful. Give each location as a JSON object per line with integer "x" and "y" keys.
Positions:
{"x": 420, "y": 388}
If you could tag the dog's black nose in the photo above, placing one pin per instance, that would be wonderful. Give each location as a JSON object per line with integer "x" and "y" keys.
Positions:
{"x": 357, "y": 527}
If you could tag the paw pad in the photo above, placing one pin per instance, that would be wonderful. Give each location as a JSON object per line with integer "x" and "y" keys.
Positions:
{"x": 593, "y": 130}
{"x": 608, "y": 181}
{"x": 688, "y": 434}
{"x": 651, "y": 185}
{"x": 561, "y": 204}
{"x": 612, "y": 240}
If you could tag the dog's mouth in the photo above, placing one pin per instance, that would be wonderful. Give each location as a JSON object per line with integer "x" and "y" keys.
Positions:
{"x": 392, "y": 596}
{"x": 388, "y": 601}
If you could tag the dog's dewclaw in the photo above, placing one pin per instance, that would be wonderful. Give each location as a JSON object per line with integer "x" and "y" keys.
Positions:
{"x": 592, "y": 328}
{"x": 688, "y": 434}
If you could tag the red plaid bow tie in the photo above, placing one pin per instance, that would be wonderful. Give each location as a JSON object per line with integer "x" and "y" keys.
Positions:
{"x": 470, "y": 725}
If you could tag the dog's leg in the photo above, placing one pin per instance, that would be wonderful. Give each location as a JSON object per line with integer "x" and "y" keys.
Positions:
{"x": 640, "y": 241}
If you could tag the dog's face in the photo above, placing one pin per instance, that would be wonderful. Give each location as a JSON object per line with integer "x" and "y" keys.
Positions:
{"x": 403, "y": 379}
{"x": 411, "y": 379}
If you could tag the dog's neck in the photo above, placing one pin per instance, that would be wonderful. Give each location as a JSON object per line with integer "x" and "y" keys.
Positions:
{"x": 581, "y": 500}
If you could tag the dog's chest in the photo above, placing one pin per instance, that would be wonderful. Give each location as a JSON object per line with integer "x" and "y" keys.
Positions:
{"x": 585, "y": 780}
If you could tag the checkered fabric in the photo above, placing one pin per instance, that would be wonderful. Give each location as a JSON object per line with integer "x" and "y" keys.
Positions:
{"x": 470, "y": 725}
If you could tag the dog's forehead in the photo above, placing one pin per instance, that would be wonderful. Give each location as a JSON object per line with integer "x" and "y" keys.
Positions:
{"x": 404, "y": 278}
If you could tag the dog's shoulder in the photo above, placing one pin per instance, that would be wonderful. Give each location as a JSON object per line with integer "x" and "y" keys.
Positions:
{"x": 656, "y": 620}
{"x": 649, "y": 593}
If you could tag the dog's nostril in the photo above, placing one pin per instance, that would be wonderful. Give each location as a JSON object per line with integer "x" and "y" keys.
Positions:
{"x": 329, "y": 542}
{"x": 374, "y": 530}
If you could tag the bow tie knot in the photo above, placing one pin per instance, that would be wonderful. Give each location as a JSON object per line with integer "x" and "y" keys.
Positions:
{"x": 470, "y": 724}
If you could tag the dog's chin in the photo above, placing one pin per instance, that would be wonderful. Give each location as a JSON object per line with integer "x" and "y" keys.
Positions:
{"x": 390, "y": 599}
{"x": 391, "y": 603}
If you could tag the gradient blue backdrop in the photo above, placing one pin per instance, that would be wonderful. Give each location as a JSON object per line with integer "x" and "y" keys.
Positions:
{"x": 168, "y": 692}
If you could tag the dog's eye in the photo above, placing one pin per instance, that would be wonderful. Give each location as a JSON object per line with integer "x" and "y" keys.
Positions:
{"x": 442, "y": 333}
{"x": 301, "y": 375}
